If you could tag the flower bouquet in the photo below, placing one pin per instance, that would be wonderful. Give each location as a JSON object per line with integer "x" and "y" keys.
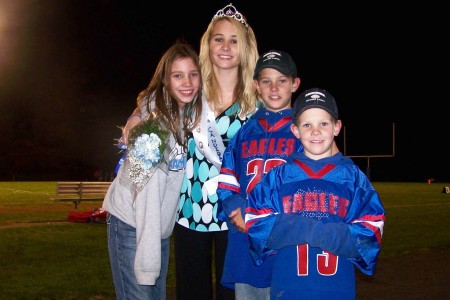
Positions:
{"x": 145, "y": 151}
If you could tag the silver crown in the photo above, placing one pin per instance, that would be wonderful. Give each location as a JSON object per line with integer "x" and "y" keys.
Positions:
{"x": 231, "y": 12}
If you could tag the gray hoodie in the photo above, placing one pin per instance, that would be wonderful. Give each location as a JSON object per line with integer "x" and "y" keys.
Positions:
{"x": 151, "y": 211}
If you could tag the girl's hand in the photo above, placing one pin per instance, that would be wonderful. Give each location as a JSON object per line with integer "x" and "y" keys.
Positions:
{"x": 133, "y": 120}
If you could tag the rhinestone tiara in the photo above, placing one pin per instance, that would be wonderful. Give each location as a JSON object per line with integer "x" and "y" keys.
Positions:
{"x": 231, "y": 12}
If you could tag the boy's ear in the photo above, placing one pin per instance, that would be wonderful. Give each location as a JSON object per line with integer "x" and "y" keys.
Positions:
{"x": 296, "y": 84}
{"x": 295, "y": 130}
{"x": 337, "y": 127}
{"x": 256, "y": 85}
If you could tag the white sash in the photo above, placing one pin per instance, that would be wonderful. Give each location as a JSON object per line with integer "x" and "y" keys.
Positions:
{"x": 207, "y": 137}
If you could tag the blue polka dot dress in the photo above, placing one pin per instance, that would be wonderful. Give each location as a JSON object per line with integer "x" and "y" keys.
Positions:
{"x": 197, "y": 208}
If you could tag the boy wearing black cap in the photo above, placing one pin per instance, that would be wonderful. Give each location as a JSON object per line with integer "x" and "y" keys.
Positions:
{"x": 264, "y": 142}
{"x": 318, "y": 212}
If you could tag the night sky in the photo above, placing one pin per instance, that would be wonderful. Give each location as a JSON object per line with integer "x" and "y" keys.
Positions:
{"x": 70, "y": 72}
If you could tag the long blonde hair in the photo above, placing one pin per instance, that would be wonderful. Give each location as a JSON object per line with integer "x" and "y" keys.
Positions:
{"x": 244, "y": 91}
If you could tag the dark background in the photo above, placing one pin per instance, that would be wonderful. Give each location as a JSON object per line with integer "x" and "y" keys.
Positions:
{"x": 70, "y": 72}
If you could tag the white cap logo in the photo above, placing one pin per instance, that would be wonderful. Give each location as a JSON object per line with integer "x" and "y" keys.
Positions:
{"x": 315, "y": 96}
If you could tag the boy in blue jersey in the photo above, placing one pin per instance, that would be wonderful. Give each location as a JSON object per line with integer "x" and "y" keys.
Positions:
{"x": 264, "y": 142}
{"x": 318, "y": 212}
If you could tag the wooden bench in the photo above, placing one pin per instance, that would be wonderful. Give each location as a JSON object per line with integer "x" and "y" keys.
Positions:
{"x": 76, "y": 191}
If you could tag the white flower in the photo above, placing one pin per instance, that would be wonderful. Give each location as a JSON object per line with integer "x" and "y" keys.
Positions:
{"x": 145, "y": 152}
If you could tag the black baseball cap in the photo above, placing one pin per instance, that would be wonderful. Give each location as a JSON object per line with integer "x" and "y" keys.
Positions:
{"x": 315, "y": 98}
{"x": 278, "y": 60}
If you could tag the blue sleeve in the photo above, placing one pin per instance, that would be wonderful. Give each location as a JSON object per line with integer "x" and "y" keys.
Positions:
{"x": 260, "y": 215}
{"x": 229, "y": 189}
{"x": 294, "y": 229}
{"x": 366, "y": 222}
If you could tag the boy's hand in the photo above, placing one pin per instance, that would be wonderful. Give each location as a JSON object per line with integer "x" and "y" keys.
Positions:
{"x": 237, "y": 220}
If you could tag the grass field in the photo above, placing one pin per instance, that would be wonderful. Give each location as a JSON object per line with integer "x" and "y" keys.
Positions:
{"x": 42, "y": 256}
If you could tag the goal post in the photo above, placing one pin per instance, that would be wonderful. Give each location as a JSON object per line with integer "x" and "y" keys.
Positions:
{"x": 369, "y": 156}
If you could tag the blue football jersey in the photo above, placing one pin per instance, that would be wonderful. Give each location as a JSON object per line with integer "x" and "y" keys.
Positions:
{"x": 318, "y": 220}
{"x": 264, "y": 142}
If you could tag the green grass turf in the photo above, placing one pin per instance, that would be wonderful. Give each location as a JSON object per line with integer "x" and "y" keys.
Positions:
{"x": 54, "y": 259}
